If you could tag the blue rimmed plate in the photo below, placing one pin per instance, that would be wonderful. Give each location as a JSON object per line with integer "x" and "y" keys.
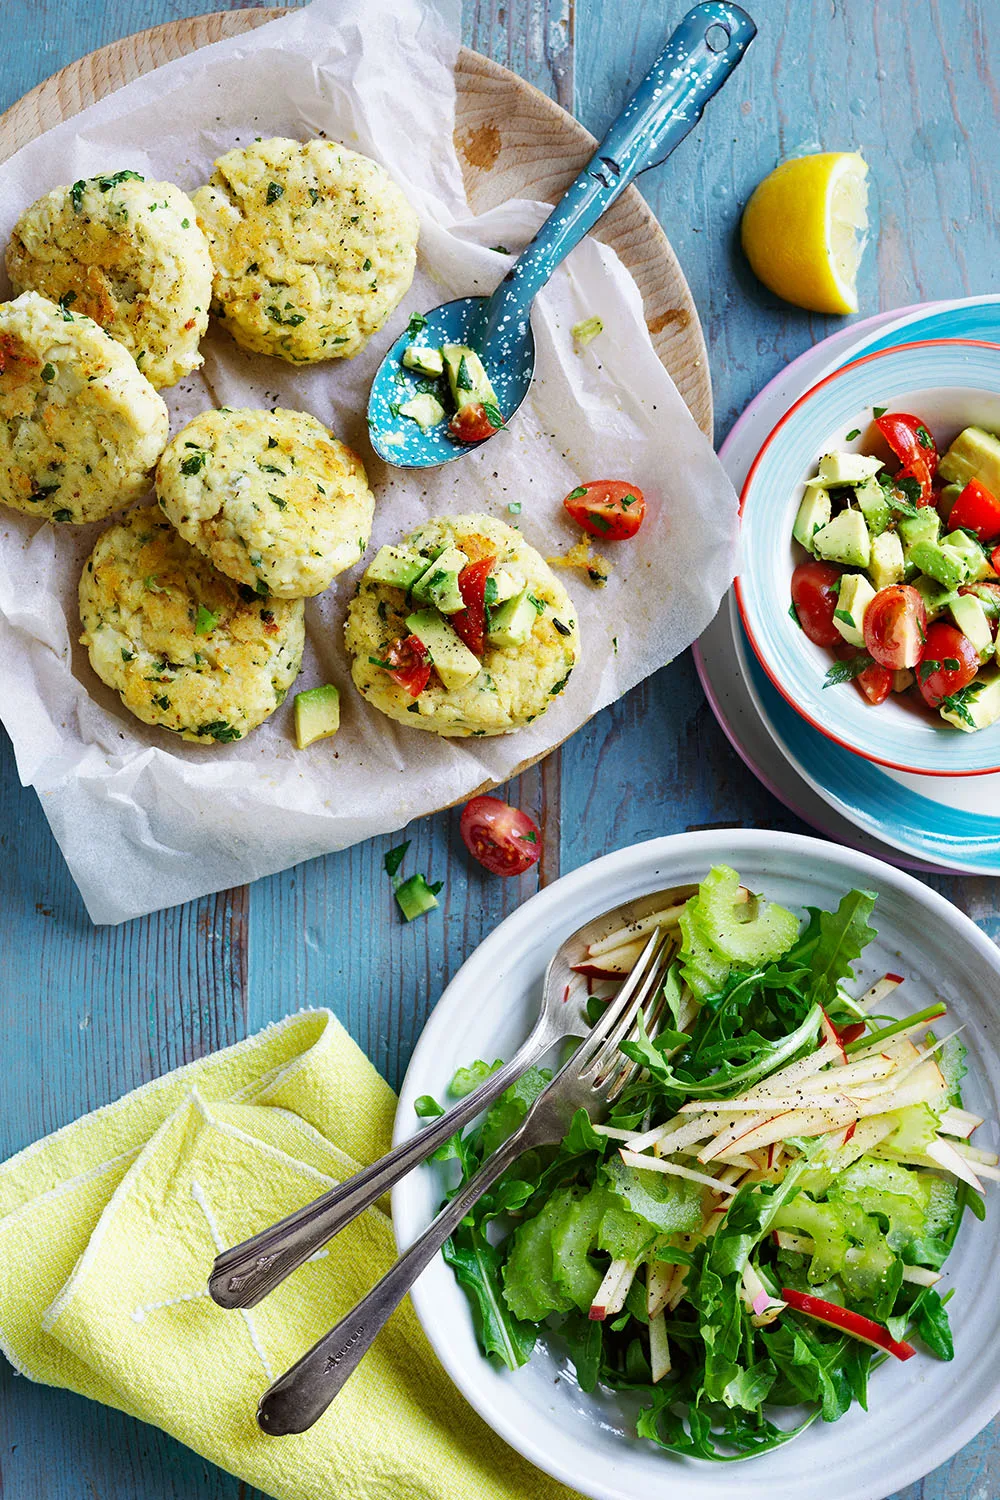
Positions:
{"x": 949, "y": 383}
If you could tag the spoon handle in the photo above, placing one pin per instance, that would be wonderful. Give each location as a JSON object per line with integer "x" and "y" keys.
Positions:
{"x": 701, "y": 54}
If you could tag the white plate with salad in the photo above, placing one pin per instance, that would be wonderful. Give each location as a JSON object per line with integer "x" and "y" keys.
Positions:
{"x": 853, "y": 575}
{"x": 820, "y": 1245}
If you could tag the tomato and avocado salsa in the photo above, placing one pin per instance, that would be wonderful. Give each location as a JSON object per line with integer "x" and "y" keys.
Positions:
{"x": 763, "y": 1218}
{"x": 902, "y": 579}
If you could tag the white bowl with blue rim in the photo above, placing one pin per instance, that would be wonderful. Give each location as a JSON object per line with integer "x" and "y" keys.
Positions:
{"x": 949, "y": 384}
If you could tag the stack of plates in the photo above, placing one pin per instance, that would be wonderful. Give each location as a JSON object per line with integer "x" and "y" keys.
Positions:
{"x": 927, "y": 822}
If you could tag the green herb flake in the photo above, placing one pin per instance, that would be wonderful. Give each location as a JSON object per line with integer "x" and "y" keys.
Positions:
{"x": 48, "y": 373}
{"x": 578, "y": 493}
{"x": 274, "y": 192}
{"x": 76, "y": 193}
{"x": 205, "y": 622}
{"x": 879, "y": 411}
{"x": 395, "y": 858}
{"x": 416, "y": 325}
{"x": 514, "y": 507}
{"x": 492, "y": 415}
{"x": 193, "y": 463}
{"x": 846, "y": 671}
{"x": 855, "y": 432}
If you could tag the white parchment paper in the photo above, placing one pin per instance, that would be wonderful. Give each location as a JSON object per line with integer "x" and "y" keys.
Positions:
{"x": 146, "y": 821}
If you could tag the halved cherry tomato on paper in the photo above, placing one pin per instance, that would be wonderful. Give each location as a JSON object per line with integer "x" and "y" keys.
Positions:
{"x": 949, "y": 663}
{"x": 470, "y": 622}
{"x": 609, "y": 508}
{"x": 976, "y": 509}
{"x": 470, "y": 424}
{"x": 909, "y": 439}
{"x": 503, "y": 839}
{"x": 408, "y": 662}
{"x": 814, "y": 595}
{"x": 896, "y": 627}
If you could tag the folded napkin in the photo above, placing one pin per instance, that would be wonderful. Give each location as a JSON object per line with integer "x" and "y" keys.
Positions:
{"x": 108, "y": 1230}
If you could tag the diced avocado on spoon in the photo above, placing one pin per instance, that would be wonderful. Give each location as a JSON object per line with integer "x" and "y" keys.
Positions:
{"x": 492, "y": 335}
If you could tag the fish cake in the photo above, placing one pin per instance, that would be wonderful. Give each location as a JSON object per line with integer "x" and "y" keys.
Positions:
{"x": 515, "y": 684}
{"x": 81, "y": 428}
{"x": 184, "y": 647}
{"x": 128, "y": 253}
{"x": 273, "y": 499}
{"x": 313, "y": 246}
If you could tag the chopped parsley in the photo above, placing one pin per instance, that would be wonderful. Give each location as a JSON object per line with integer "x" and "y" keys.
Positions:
{"x": 64, "y": 305}
{"x": 958, "y": 703}
{"x": 927, "y": 667}
{"x": 219, "y": 730}
{"x": 416, "y": 325}
{"x": 313, "y": 196}
{"x": 562, "y": 629}
{"x": 107, "y": 183}
{"x": 286, "y": 320}
{"x": 923, "y": 437}
{"x": 463, "y": 380}
{"x": 558, "y": 686}
{"x": 271, "y": 469}
{"x": 62, "y": 515}
{"x": 846, "y": 671}
{"x": 48, "y": 373}
{"x": 274, "y": 192}
{"x": 277, "y": 500}
{"x": 76, "y": 193}
{"x": 578, "y": 493}
{"x": 856, "y": 432}
{"x": 127, "y": 655}
{"x": 395, "y": 858}
{"x": 879, "y": 411}
{"x": 367, "y": 264}
{"x": 205, "y": 622}
{"x": 500, "y": 249}
{"x": 194, "y": 462}
{"x": 492, "y": 414}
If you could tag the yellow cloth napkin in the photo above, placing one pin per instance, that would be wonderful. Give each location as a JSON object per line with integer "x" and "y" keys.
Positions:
{"x": 108, "y": 1231}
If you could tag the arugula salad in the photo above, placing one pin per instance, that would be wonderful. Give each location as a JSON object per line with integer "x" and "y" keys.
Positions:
{"x": 763, "y": 1217}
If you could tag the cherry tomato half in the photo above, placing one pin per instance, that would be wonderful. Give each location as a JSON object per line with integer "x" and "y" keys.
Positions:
{"x": 976, "y": 509}
{"x": 874, "y": 683}
{"x": 814, "y": 595}
{"x": 470, "y": 424}
{"x": 918, "y": 471}
{"x": 503, "y": 839}
{"x": 470, "y": 622}
{"x": 408, "y": 662}
{"x": 896, "y": 627}
{"x": 908, "y": 438}
{"x": 609, "y": 508}
{"x": 950, "y": 662}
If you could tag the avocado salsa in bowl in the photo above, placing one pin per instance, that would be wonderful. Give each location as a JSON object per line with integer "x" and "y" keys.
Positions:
{"x": 870, "y": 575}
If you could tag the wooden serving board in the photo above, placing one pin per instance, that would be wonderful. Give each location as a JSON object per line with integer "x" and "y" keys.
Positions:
{"x": 513, "y": 142}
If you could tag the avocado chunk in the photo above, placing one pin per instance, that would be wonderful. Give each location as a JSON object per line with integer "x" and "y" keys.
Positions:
{"x": 970, "y": 617}
{"x": 468, "y": 380}
{"x": 856, "y": 593}
{"x": 423, "y": 359}
{"x": 975, "y": 706}
{"x": 846, "y": 468}
{"x": 397, "y": 566}
{"x": 923, "y": 527}
{"x": 425, "y": 409}
{"x": 976, "y": 561}
{"x": 415, "y": 897}
{"x": 455, "y": 664}
{"x": 975, "y": 454}
{"x": 814, "y": 513}
{"x": 874, "y": 506}
{"x": 886, "y": 562}
{"x": 505, "y": 585}
{"x": 935, "y": 596}
{"x": 513, "y": 622}
{"x": 946, "y": 500}
{"x": 438, "y": 584}
{"x": 845, "y": 539}
{"x": 317, "y": 714}
{"x": 940, "y": 562}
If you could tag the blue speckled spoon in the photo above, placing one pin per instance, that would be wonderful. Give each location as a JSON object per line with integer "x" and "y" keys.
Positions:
{"x": 699, "y": 57}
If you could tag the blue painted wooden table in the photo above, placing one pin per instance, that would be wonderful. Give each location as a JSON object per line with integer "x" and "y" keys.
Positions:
{"x": 88, "y": 1013}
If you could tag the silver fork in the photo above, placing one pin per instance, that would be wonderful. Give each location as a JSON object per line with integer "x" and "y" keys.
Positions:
{"x": 246, "y": 1273}
{"x": 592, "y": 1079}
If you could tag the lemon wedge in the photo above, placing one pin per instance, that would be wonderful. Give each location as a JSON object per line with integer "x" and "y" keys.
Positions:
{"x": 804, "y": 230}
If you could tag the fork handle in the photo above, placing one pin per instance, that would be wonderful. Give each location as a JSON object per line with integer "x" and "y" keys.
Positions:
{"x": 300, "y": 1397}
{"x": 246, "y": 1273}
